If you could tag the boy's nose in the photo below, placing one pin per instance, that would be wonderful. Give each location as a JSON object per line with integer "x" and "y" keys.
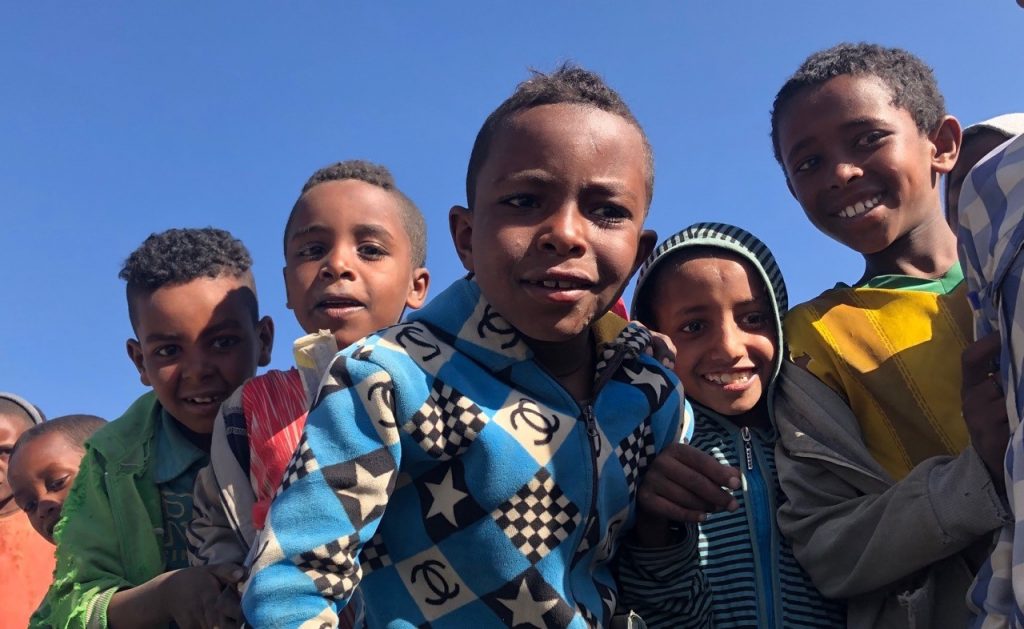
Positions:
{"x": 335, "y": 266}
{"x": 730, "y": 342}
{"x": 844, "y": 172}
{"x": 564, "y": 232}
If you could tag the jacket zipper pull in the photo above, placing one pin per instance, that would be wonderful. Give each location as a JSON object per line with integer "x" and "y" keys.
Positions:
{"x": 588, "y": 415}
{"x": 747, "y": 448}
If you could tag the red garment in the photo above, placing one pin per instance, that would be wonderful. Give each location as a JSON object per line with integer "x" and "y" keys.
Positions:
{"x": 26, "y": 569}
{"x": 275, "y": 410}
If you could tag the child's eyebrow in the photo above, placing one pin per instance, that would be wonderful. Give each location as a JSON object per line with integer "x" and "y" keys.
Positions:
{"x": 866, "y": 121}
{"x": 217, "y": 328}
{"x": 157, "y": 337}
{"x": 373, "y": 230}
{"x": 532, "y": 175}
{"x": 309, "y": 229}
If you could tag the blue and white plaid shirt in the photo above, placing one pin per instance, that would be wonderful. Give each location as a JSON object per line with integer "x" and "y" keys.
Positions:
{"x": 991, "y": 236}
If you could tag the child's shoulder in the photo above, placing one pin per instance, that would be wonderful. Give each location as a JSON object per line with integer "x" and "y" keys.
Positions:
{"x": 133, "y": 428}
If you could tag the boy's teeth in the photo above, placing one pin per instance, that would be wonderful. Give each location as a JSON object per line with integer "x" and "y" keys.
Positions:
{"x": 860, "y": 207}
{"x": 201, "y": 400}
{"x": 729, "y": 378}
{"x": 556, "y": 284}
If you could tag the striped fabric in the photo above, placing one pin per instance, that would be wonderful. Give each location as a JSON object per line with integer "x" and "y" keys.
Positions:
{"x": 991, "y": 235}
{"x": 275, "y": 407}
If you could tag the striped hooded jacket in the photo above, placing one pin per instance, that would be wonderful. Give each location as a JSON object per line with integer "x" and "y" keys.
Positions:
{"x": 457, "y": 484}
{"x": 735, "y": 569}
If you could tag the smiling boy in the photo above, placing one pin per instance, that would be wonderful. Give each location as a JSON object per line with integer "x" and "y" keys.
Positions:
{"x": 355, "y": 254}
{"x": 121, "y": 547}
{"x": 504, "y": 426}
{"x": 894, "y": 512}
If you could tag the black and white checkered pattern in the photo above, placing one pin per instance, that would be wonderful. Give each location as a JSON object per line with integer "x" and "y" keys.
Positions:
{"x": 330, "y": 567}
{"x": 374, "y": 555}
{"x": 538, "y": 517}
{"x": 635, "y": 453}
{"x": 303, "y": 463}
{"x": 447, "y": 423}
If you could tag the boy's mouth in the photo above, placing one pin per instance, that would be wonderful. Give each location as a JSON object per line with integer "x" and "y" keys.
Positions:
{"x": 337, "y": 304}
{"x": 205, "y": 400}
{"x": 860, "y": 207}
{"x": 731, "y": 380}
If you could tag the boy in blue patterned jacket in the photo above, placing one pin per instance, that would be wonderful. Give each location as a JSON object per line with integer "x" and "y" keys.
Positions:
{"x": 477, "y": 465}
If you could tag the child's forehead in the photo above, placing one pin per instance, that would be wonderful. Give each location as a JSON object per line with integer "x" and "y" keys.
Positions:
{"x": 706, "y": 266}
{"x": 202, "y": 302}
{"x": 347, "y": 205}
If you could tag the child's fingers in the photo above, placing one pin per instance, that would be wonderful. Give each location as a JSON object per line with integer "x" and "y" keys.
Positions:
{"x": 705, "y": 465}
{"x": 688, "y": 487}
{"x": 226, "y": 573}
{"x": 669, "y": 510}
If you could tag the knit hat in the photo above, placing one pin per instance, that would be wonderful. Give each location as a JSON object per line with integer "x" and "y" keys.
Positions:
{"x": 30, "y": 409}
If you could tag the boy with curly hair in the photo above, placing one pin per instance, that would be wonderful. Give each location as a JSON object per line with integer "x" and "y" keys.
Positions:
{"x": 477, "y": 465}
{"x": 891, "y": 507}
{"x": 121, "y": 550}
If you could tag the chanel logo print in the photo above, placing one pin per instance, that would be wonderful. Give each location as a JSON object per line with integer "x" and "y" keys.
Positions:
{"x": 526, "y": 411}
{"x": 494, "y": 323}
{"x": 431, "y": 571}
{"x": 413, "y": 336}
{"x": 386, "y": 390}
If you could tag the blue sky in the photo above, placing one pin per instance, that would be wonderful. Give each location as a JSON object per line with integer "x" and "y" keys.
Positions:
{"x": 128, "y": 118}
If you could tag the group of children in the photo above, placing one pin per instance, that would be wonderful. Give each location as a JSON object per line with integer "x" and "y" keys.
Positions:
{"x": 516, "y": 454}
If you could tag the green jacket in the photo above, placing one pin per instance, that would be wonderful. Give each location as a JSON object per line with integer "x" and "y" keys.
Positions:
{"x": 110, "y": 536}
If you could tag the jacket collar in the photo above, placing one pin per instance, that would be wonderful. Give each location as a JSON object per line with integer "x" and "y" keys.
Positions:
{"x": 463, "y": 317}
{"x": 127, "y": 440}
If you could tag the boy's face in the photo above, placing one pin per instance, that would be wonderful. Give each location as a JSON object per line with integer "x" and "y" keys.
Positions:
{"x": 719, "y": 317}
{"x": 977, "y": 145}
{"x": 860, "y": 168}
{"x": 197, "y": 343}
{"x": 349, "y": 265}
{"x": 556, "y": 228}
{"x": 11, "y": 427}
{"x": 41, "y": 475}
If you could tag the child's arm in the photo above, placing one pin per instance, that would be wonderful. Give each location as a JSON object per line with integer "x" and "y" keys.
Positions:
{"x": 984, "y": 405}
{"x": 333, "y": 494}
{"x": 855, "y": 532}
{"x": 191, "y": 597}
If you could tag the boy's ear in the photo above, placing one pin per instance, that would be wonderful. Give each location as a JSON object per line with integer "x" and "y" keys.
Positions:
{"x": 946, "y": 138}
{"x": 418, "y": 286}
{"x": 460, "y": 223}
{"x": 265, "y": 337}
{"x": 135, "y": 355}
{"x": 648, "y": 238}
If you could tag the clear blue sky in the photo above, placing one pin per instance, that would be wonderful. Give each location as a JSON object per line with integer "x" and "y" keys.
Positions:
{"x": 127, "y": 118}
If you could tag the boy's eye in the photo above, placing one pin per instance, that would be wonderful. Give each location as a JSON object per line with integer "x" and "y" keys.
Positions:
{"x": 372, "y": 251}
{"x": 311, "y": 250}
{"x": 806, "y": 164}
{"x": 167, "y": 351}
{"x": 754, "y": 320}
{"x": 871, "y": 137}
{"x": 692, "y": 327}
{"x": 225, "y": 342}
{"x": 521, "y": 201}
{"x": 57, "y": 484}
{"x": 611, "y": 213}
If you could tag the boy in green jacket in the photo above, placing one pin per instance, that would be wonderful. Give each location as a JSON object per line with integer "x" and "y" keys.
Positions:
{"x": 121, "y": 550}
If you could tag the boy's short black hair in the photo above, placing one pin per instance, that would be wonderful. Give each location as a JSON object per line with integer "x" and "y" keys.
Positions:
{"x": 375, "y": 175}
{"x": 177, "y": 256}
{"x": 909, "y": 79}
{"x": 75, "y": 428}
{"x": 568, "y": 84}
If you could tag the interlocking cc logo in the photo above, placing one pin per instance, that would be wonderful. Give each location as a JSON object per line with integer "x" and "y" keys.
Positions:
{"x": 526, "y": 411}
{"x": 412, "y": 335}
{"x": 431, "y": 572}
{"x": 490, "y": 323}
{"x": 387, "y": 397}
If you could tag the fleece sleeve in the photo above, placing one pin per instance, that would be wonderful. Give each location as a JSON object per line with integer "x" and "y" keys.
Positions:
{"x": 89, "y": 567}
{"x": 333, "y": 493}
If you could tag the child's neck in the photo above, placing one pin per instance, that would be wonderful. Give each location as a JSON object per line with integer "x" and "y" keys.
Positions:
{"x": 756, "y": 417}
{"x": 927, "y": 251}
{"x": 570, "y": 362}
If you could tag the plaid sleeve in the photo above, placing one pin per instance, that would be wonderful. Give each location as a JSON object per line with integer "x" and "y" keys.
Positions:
{"x": 332, "y": 496}
{"x": 991, "y": 235}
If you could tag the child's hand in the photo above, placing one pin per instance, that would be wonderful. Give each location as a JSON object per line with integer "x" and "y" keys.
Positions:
{"x": 685, "y": 484}
{"x": 203, "y": 597}
{"x": 984, "y": 404}
{"x": 662, "y": 349}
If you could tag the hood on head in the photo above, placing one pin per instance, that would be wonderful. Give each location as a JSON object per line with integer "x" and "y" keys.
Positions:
{"x": 1006, "y": 124}
{"x": 738, "y": 241}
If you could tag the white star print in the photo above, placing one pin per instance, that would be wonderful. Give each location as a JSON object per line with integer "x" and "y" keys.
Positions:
{"x": 526, "y": 610}
{"x": 647, "y": 377}
{"x": 444, "y": 498}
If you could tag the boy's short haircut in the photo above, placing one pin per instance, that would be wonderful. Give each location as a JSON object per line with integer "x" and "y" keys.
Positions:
{"x": 568, "y": 84}
{"x": 909, "y": 79}
{"x": 11, "y": 404}
{"x": 75, "y": 428}
{"x": 177, "y": 256}
{"x": 375, "y": 175}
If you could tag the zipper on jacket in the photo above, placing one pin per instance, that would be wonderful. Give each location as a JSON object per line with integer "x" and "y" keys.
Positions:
{"x": 762, "y": 516}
